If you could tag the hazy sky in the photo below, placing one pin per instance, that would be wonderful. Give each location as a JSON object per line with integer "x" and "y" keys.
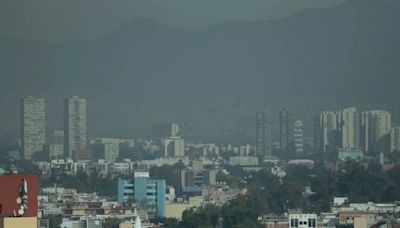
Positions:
{"x": 91, "y": 19}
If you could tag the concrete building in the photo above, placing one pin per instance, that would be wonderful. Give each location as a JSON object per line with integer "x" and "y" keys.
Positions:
{"x": 350, "y": 128}
{"x": 18, "y": 222}
{"x": 174, "y": 147}
{"x": 303, "y": 221}
{"x": 243, "y": 161}
{"x": 147, "y": 193}
{"x": 284, "y": 130}
{"x": 375, "y": 131}
{"x": 328, "y": 131}
{"x": 56, "y": 151}
{"x": 33, "y": 125}
{"x": 74, "y": 125}
{"x": 263, "y": 133}
{"x": 395, "y": 139}
{"x": 298, "y": 136}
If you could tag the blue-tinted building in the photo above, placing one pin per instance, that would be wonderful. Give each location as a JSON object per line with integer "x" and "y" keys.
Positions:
{"x": 147, "y": 193}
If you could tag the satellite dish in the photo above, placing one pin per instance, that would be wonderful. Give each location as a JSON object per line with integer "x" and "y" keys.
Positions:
{"x": 21, "y": 211}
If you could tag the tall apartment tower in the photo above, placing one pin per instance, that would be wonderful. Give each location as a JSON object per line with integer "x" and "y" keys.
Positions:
{"x": 298, "y": 136}
{"x": 33, "y": 125}
{"x": 74, "y": 125}
{"x": 329, "y": 131}
{"x": 284, "y": 130}
{"x": 375, "y": 131}
{"x": 350, "y": 128}
{"x": 395, "y": 139}
{"x": 263, "y": 133}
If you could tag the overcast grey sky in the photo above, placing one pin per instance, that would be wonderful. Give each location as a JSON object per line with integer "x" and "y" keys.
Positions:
{"x": 91, "y": 19}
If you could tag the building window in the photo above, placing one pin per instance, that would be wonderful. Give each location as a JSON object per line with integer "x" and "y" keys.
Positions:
{"x": 311, "y": 222}
{"x": 294, "y": 223}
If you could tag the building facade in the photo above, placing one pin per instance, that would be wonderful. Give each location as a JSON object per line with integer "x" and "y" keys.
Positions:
{"x": 375, "y": 131}
{"x": 350, "y": 128}
{"x": 263, "y": 133}
{"x": 284, "y": 130}
{"x": 298, "y": 136}
{"x": 328, "y": 131}
{"x": 395, "y": 139}
{"x": 33, "y": 123}
{"x": 75, "y": 125}
{"x": 147, "y": 193}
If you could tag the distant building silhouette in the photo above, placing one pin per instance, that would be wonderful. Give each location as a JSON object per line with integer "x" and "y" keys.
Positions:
{"x": 263, "y": 133}
{"x": 284, "y": 130}
{"x": 375, "y": 131}
{"x": 298, "y": 136}
{"x": 328, "y": 131}
{"x": 74, "y": 125}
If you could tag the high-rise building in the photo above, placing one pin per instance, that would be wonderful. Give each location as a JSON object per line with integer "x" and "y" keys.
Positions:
{"x": 298, "y": 136}
{"x": 284, "y": 130}
{"x": 350, "y": 128}
{"x": 75, "y": 125}
{"x": 328, "y": 131}
{"x": 375, "y": 131}
{"x": 174, "y": 147}
{"x": 395, "y": 139}
{"x": 147, "y": 193}
{"x": 33, "y": 123}
{"x": 56, "y": 147}
{"x": 263, "y": 133}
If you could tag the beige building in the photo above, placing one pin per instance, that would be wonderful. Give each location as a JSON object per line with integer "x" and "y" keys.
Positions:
{"x": 350, "y": 128}
{"x": 18, "y": 222}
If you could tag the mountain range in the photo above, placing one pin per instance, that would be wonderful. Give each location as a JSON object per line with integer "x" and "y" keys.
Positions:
{"x": 211, "y": 80}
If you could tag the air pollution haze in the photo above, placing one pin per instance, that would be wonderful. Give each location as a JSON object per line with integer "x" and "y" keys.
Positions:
{"x": 205, "y": 64}
{"x": 199, "y": 113}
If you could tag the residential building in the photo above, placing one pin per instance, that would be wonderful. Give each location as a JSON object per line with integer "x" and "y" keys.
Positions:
{"x": 298, "y": 136}
{"x": 263, "y": 133}
{"x": 74, "y": 125}
{"x": 174, "y": 147}
{"x": 328, "y": 131}
{"x": 33, "y": 126}
{"x": 375, "y": 131}
{"x": 303, "y": 221}
{"x": 284, "y": 130}
{"x": 350, "y": 128}
{"x": 395, "y": 139}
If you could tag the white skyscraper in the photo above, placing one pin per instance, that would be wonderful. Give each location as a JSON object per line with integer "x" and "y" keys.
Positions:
{"x": 33, "y": 123}
{"x": 376, "y": 126}
{"x": 395, "y": 139}
{"x": 350, "y": 128}
{"x": 75, "y": 125}
{"x": 298, "y": 136}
